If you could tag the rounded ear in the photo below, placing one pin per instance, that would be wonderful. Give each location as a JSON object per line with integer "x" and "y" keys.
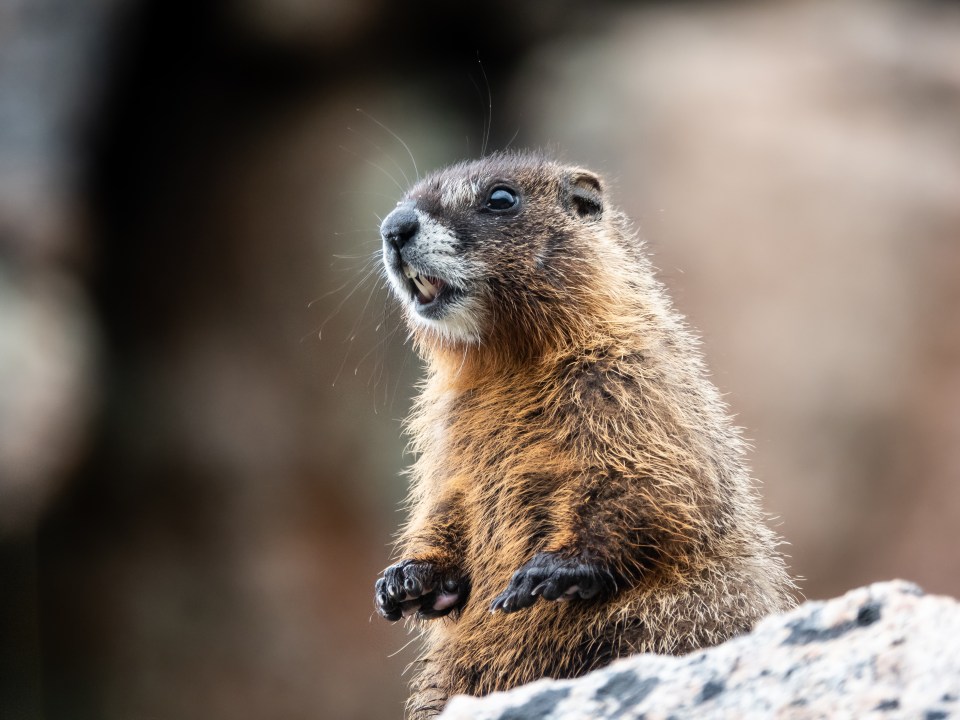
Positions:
{"x": 584, "y": 194}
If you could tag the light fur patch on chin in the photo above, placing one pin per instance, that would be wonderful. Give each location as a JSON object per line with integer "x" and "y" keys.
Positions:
{"x": 460, "y": 324}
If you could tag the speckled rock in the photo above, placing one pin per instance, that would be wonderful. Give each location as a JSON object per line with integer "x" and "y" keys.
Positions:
{"x": 882, "y": 651}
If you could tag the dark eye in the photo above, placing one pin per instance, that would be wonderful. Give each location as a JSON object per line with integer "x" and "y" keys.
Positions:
{"x": 502, "y": 199}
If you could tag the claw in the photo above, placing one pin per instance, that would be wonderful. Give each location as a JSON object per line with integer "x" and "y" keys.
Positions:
{"x": 554, "y": 578}
{"x": 414, "y": 588}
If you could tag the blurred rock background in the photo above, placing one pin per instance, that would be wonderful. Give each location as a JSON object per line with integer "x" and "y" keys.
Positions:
{"x": 201, "y": 379}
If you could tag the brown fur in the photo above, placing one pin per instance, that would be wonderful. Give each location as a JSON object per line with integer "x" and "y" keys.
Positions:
{"x": 579, "y": 421}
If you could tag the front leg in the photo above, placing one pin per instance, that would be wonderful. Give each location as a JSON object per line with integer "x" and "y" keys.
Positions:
{"x": 598, "y": 543}
{"x": 429, "y": 581}
{"x": 553, "y": 576}
{"x": 421, "y": 587}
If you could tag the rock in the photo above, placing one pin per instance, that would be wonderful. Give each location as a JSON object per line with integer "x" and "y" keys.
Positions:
{"x": 886, "y": 651}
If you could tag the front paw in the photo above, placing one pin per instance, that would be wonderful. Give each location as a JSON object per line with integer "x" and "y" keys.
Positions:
{"x": 554, "y": 577}
{"x": 419, "y": 587}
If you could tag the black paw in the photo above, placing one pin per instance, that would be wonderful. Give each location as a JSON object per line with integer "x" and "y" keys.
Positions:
{"x": 419, "y": 587}
{"x": 554, "y": 577}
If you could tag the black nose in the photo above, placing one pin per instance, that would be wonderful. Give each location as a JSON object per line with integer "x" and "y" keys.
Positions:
{"x": 399, "y": 226}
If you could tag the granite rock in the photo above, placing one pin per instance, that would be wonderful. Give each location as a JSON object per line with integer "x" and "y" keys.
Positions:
{"x": 882, "y": 651}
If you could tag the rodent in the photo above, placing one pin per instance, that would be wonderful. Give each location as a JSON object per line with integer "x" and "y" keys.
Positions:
{"x": 579, "y": 492}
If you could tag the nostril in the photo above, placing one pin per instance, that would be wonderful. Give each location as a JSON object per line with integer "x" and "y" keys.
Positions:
{"x": 399, "y": 226}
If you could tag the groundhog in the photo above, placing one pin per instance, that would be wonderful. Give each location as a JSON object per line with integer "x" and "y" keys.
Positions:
{"x": 578, "y": 492}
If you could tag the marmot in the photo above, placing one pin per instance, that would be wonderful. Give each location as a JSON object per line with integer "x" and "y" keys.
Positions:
{"x": 579, "y": 492}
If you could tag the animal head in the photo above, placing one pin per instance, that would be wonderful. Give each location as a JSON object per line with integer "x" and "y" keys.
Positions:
{"x": 506, "y": 251}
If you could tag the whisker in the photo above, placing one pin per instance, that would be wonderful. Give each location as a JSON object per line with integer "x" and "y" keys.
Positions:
{"x": 379, "y": 346}
{"x": 512, "y": 138}
{"x": 363, "y": 310}
{"x": 396, "y": 137}
{"x": 368, "y": 193}
{"x": 403, "y": 366}
{"x": 349, "y": 295}
{"x": 372, "y": 164}
{"x": 489, "y": 122}
{"x": 366, "y": 269}
{"x": 381, "y": 151}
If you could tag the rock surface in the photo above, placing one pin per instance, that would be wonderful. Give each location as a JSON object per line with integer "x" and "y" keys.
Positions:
{"x": 882, "y": 651}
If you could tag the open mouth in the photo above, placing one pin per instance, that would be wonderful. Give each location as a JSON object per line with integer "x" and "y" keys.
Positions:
{"x": 426, "y": 289}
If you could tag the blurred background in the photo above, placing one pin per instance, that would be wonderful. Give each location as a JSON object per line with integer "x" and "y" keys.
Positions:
{"x": 202, "y": 380}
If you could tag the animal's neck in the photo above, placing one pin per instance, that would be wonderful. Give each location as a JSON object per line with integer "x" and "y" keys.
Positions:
{"x": 518, "y": 369}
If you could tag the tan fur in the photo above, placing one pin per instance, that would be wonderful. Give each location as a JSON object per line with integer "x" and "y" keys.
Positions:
{"x": 580, "y": 421}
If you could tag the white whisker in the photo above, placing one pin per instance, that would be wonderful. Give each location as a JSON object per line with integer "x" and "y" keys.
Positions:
{"x": 396, "y": 137}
